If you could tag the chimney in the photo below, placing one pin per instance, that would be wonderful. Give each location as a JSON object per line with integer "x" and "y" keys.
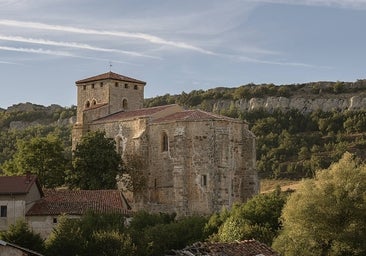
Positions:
{"x": 28, "y": 177}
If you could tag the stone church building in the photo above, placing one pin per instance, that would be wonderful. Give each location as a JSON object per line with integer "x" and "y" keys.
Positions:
{"x": 195, "y": 162}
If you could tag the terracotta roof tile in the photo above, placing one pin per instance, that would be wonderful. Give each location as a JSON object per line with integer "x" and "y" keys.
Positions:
{"x": 78, "y": 202}
{"x": 243, "y": 248}
{"x": 110, "y": 75}
{"x": 18, "y": 184}
{"x": 143, "y": 112}
{"x": 193, "y": 115}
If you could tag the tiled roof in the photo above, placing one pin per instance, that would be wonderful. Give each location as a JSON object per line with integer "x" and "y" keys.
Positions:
{"x": 17, "y": 185}
{"x": 193, "y": 115}
{"x": 143, "y": 112}
{"x": 78, "y": 202}
{"x": 243, "y": 248}
{"x": 110, "y": 75}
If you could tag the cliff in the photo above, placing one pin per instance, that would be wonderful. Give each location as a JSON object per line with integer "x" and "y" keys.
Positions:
{"x": 341, "y": 102}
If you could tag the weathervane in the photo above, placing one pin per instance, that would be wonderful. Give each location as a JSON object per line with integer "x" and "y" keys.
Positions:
{"x": 110, "y": 66}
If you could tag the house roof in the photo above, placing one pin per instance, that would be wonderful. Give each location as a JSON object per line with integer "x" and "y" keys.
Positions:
{"x": 143, "y": 112}
{"x": 18, "y": 185}
{"x": 110, "y": 75}
{"x": 17, "y": 247}
{"x": 192, "y": 115}
{"x": 79, "y": 202}
{"x": 243, "y": 248}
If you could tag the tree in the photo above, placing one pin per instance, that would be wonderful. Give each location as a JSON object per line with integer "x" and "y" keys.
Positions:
{"x": 43, "y": 156}
{"x": 93, "y": 234}
{"x": 326, "y": 215}
{"x": 96, "y": 163}
{"x": 259, "y": 218}
{"x": 20, "y": 234}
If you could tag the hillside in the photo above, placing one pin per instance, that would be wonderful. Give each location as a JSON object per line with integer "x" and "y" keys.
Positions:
{"x": 300, "y": 128}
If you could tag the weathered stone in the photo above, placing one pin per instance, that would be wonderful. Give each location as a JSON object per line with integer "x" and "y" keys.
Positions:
{"x": 195, "y": 162}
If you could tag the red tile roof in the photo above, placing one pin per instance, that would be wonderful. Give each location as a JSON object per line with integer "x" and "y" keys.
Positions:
{"x": 18, "y": 185}
{"x": 78, "y": 202}
{"x": 193, "y": 115}
{"x": 243, "y": 248}
{"x": 143, "y": 112}
{"x": 110, "y": 75}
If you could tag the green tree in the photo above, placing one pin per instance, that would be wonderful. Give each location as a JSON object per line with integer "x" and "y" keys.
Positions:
{"x": 43, "y": 156}
{"x": 93, "y": 234}
{"x": 20, "y": 234}
{"x": 326, "y": 215}
{"x": 259, "y": 218}
{"x": 96, "y": 163}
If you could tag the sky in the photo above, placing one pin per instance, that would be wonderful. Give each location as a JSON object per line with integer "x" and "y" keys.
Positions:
{"x": 175, "y": 45}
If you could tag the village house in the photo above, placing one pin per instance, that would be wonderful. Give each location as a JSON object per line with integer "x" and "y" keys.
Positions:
{"x": 10, "y": 249}
{"x": 194, "y": 162}
{"x": 22, "y": 197}
{"x": 239, "y": 248}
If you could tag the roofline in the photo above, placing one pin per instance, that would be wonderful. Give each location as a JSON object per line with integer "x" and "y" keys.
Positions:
{"x": 120, "y": 78}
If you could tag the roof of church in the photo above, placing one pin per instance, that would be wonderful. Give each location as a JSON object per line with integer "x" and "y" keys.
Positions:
{"x": 79, "y": 202}
{"x": 18, "y": 185}
{"x": 192, "y": 115}
{"x": 110, "y": 75}
{"x": 143, "y": 112}
{"x": 242, "y": 248}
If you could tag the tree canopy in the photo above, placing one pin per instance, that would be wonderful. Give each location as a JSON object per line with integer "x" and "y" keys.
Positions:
{"x": 43, "y": 156}
{"x": 326, "y": 215}
{"x": 96, "y": 163}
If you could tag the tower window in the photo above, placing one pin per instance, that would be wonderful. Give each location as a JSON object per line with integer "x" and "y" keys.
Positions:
{"x": 3, "y": 211}
{"x": 135, "y": 87}
{"x": 204, "y": 180}
{"x": 84, "y": 87}
{"x": 124, "y": 104}
{"x": 92, "y": 86}
{"x": 164, "y": 142}
{"x": 101, "y": 84}
{"x": 94, "y": 102}
{"x": 87, "y": 104}
{"x": 126, "y": 86}
{"x": 116, "y": 84}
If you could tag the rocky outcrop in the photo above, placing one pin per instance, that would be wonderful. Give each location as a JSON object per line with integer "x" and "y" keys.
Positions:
{"x": 342, "y": 102}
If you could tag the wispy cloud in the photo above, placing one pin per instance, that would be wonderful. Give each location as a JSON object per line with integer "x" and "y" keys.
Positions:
{"x": 37, "y": 51}
{"x": 71, "y": 45}
{"x": 142, "y": 36}
{"x": 353, "y": 4}
{"x": 7, "y": 62}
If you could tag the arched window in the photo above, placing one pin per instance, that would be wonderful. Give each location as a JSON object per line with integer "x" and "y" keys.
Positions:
{"x": 124, "y": 104}
{"x": 87, "y": 104}
{"x": 94, "y": 102}
{"x": 164, "y": 142}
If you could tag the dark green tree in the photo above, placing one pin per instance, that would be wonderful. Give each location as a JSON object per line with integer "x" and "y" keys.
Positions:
{"x": 93, "y": 234}
{"x": 20, "y": 234}
{"x": 43, "y": 156}
{"x": 259, "y": 218}
{"x": 96, "y": 163}
{"x": 326, "y": 215}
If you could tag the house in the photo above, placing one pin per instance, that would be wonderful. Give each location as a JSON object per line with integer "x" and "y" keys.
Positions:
{"x": 17, "y": 195}
{"x": 22, "y": 197}
{"x": 10, "y": 249}
{"x": 194, "y": 162}
{"x": 242, "y": 248}
{"x": 44, "y": 214}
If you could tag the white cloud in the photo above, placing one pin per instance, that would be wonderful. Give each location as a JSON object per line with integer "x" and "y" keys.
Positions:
{"x": 142, "y": 36}
{"x": 37, "y": 51}
{"x": 352, "y": 4}
{"x": 70, "y": 44}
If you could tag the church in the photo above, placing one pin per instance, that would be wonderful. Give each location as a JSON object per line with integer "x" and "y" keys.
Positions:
{"x": 194, "y": 162}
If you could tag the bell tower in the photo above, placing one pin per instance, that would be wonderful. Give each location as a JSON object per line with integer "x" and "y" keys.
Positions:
{"x": 103, "y": 95}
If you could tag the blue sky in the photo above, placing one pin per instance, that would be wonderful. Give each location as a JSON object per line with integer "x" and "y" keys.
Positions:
{"x": 175, "y": 45}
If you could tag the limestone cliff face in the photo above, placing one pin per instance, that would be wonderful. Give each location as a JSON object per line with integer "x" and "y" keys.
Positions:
{"x": 304, "y": 104}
